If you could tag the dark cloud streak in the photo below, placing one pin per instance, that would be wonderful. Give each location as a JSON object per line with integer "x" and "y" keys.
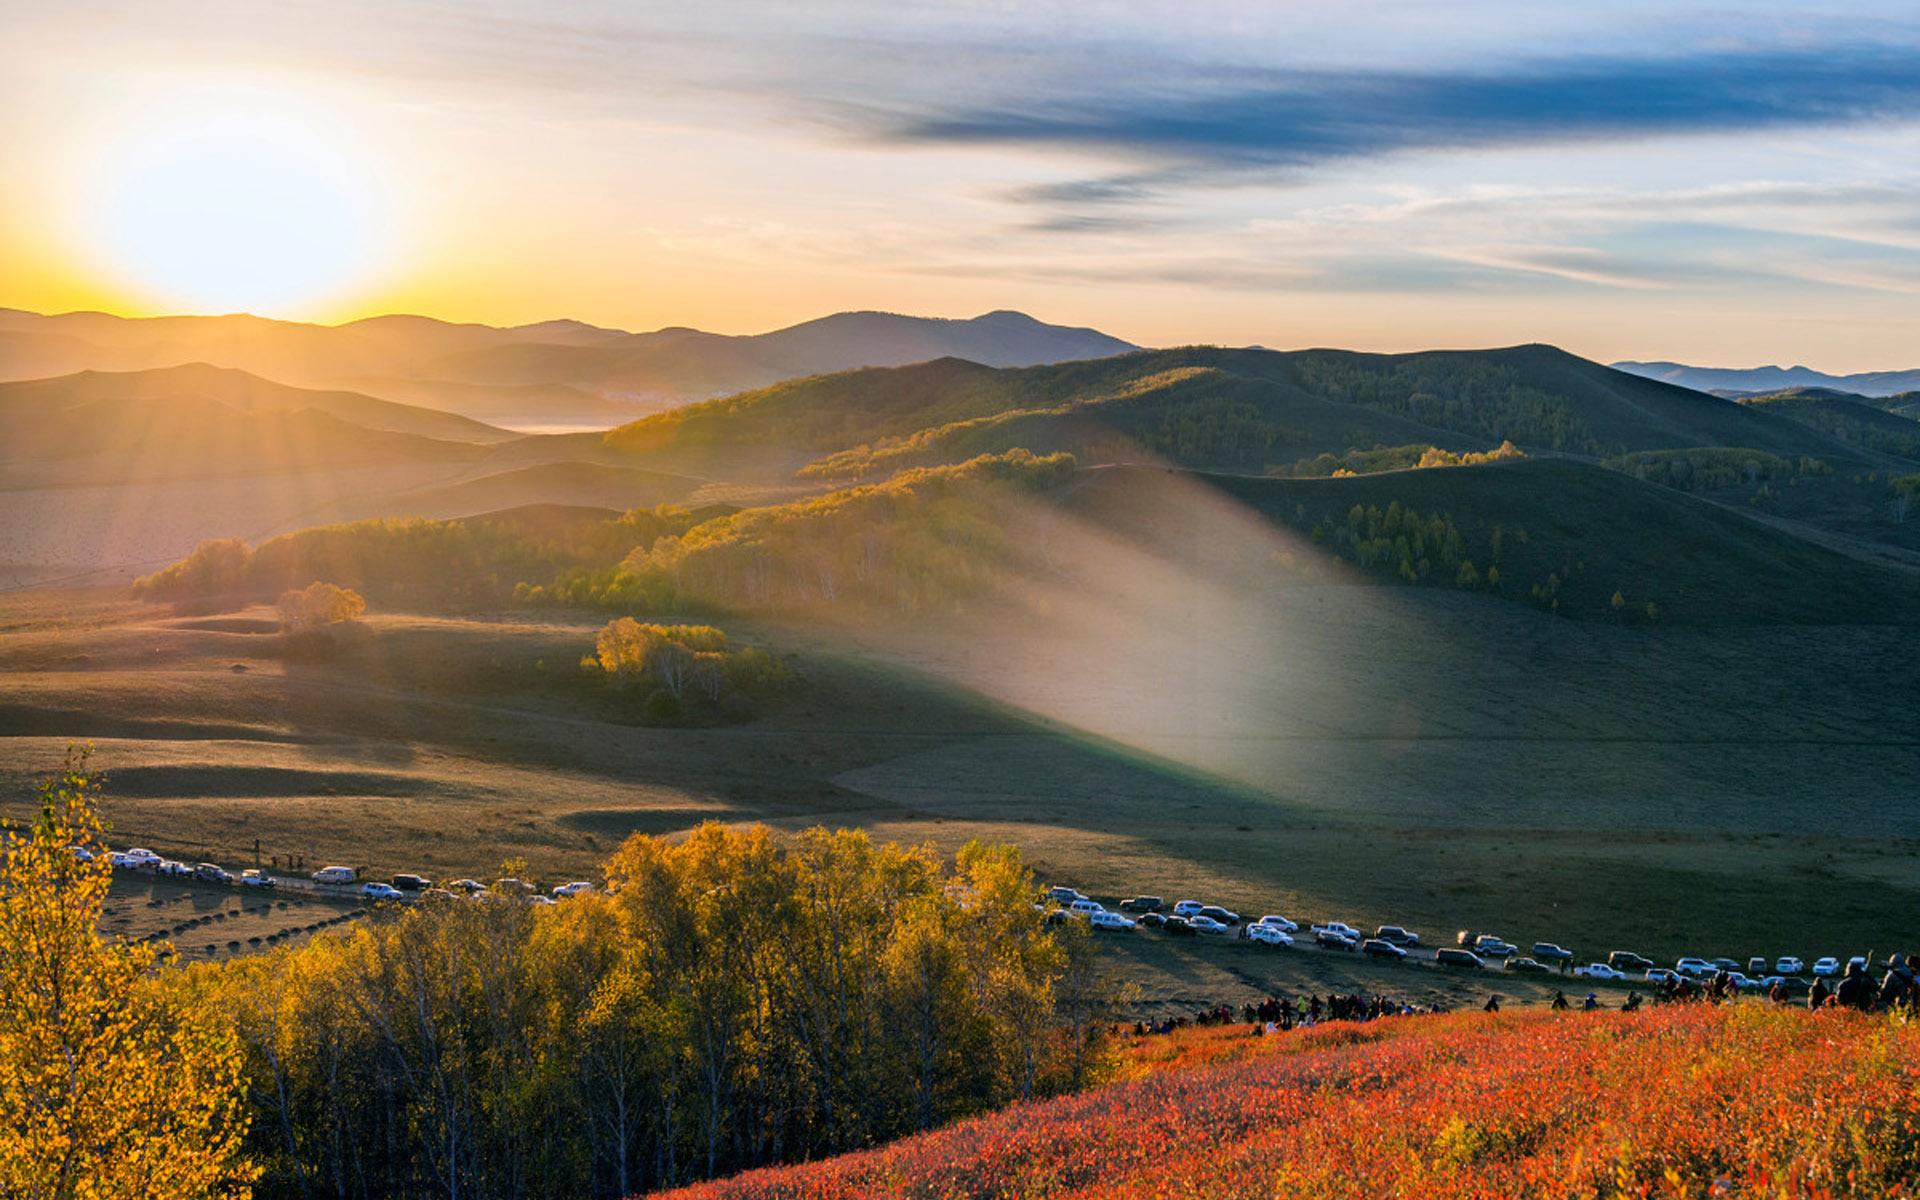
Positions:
{"x": 1294, "y": 119}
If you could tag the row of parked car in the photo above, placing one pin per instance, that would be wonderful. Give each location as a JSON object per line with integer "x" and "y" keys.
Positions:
{"x": 1480, "y": 951}
{"x": 141, "y": 859}
{"x": 409, "y": 886}
{"x": 404, "y": 886}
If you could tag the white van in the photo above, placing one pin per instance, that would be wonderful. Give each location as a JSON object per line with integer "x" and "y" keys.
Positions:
{"x": 1085, "y": 908}
{"x": 334, "y": 875}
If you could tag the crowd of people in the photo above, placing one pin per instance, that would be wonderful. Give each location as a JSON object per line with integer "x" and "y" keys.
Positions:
{"x": 1279, "y": 1014}
{"x": 1897, "y": 989}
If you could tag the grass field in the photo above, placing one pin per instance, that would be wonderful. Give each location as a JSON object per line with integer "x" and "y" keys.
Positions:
{"x": 1434, "y": 758}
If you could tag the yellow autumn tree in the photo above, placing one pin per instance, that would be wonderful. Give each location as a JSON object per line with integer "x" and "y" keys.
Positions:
{"x": 109, "y": 1087}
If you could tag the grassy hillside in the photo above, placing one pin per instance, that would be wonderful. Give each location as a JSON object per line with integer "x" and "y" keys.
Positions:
{"x": 1582, "y": 534}
{"x": 1470, "y": 1106}
{"x": 236, "y": 390}
{"x": 120, "y": 441}
{"x": 1564, "y": 536}
{"x": 1851, "y": 420}
{"x": 1225, "y": 408}
{"x": 577, "y": 484}
{"x": 1200, "y": 415}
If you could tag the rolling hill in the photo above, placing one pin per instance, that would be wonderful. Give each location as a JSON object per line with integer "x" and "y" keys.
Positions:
{"x": 42, "y": 400}
{"x": 1230, "y": 409}
{"x": 1752, "y": 380}
{"x": 1854, "y": 420}
{"x": 570, "y": 484}
{"x": 549, "y": 373}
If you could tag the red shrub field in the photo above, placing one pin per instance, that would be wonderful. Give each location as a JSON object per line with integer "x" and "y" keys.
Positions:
{"x": 1742, "y": 1100}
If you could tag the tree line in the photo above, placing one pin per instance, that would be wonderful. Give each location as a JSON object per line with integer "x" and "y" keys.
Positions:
{"x": 729, "y": 1000}
{"x": 1714, "y": 468}
{"x": 922, "y": 541}
{"x": 1380, "y": 458}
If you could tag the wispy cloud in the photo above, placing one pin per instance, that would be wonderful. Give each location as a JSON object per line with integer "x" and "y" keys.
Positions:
{"x": 1292, "y": 120}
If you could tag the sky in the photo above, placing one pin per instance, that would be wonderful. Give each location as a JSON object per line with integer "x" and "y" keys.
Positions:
{"x": 1727, "y": 184}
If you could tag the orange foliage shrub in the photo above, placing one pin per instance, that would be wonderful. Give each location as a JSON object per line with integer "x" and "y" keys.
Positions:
{"x": 1746, "y": 1100}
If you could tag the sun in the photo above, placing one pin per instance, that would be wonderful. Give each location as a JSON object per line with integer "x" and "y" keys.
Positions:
{"x": 253, "y": 211}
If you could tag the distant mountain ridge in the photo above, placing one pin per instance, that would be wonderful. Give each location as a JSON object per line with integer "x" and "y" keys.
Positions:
{"x": 1755, "y": 380}
{"x": 552, "y": 372}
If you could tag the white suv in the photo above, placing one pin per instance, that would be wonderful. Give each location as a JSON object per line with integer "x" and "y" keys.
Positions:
{"x": 1271, "y": 935}
{"x": 380, "y": 891}
{"x": 1086, "y": 908}
{"x": 1109, "y": 920}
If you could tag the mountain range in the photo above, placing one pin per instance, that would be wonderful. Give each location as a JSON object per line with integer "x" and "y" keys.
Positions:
{"x": 552, "y": 374}
{"x": 1755, "y": 380}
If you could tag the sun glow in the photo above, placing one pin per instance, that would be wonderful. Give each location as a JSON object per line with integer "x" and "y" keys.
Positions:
{"x": 238, "y": 209}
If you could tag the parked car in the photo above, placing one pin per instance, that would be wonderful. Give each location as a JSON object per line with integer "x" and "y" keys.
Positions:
{"x": 1206, "y": 924}
{"x": 1381, "y": 948}
{"x": 1276, "y": 921}
{"x": 1269, "y": 935}
{"x": 513, "y": 887}
{"x": 1531, "y": 966}
{"x": 140, "y": 856}
{"x": 1109, "y": 920}
{"x": 1726, "y": 964}
{"x": 469, "y": 886}
{"x": 1488, "y": 945}
{"x": 1155, "y": 920}
{"x": 563, "y": 890}
{"x": 1333, "y": 939}
{"x": 437, "y": 893}
{"x": 1827, "y": 966}
{"x": 1188, "y": 908}
{"x": 1551, "y": 950}
{"x": 375, "y": 891}
{"x": 1142, "y": 904}
{"x": 1599, "y": 971}
{"x": 121, "y": 861}
{"x": 1085, "y": 908}
{"x": 1448, "y": 956}
{"x": 1790, "y": 965}
{"x": 1756, "y": 966}
{"x": 334, "y": 875}
{"x": 1397, "y": 935}
{"x": 1695, "y": 968}
{"x": 1179, "y": 927}
{"x": 255, "y": 877}
{"x": 213, "y": 873}
{"x": 81, "y": 853}
{"x": 1222, "y": 915}
{"x": 172, "y": 866}
{"x": 1064, "y": 895}
{"x": 1338, "y": 927}
{"x": 1661, "y": 975}
{"x": 412, "y": 883}
{"x": 1858, "y": 960}
{"x": 1627, "y": 960}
